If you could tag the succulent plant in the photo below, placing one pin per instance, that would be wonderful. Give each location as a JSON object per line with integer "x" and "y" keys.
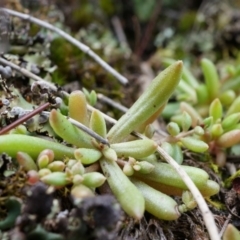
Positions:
{"x": 135, "y": 174}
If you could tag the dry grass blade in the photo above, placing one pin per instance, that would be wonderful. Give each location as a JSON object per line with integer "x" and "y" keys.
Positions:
{"x": 206, "y": 213}
{"x": 72, "y": 40}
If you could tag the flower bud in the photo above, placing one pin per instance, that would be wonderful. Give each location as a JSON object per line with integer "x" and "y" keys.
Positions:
{"x": 109, "y": 154}
{"x": 56, "y": 166}
{"x": 43, "y": 161}
{"x": 186, "y": 121}
{"x": 173, "y": 129}
{"x": 149, "y": 131}
{"x": 77, "y": 179}
{"x": 56, "y": 179}
{"x": 77, "y": 168}
{"x": 195, "y": 116}
{"x": 70, "y": 163}
{"x": 93, "y": 179}
{"x": 49, "y": 153}
{"x": 199, "y": 130}
{"x": 43, "y": 172}
{"x": 128, "y": 169}
{"x": 189, "y": 200}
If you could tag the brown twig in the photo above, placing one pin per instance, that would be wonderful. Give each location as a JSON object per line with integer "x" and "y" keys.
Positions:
{"x": 149, "y": 30}
{"x": 24, "y": 118}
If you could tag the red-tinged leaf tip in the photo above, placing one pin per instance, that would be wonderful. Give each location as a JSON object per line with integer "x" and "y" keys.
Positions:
{"x": 229, "y": 139}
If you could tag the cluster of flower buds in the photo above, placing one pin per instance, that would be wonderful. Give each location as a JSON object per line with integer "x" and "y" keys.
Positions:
{"x": 58, "y": 173}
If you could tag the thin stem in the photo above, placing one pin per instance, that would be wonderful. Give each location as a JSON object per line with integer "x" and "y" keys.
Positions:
{"x": 119, "y": 30}
{"x": 149, "y": 29}
{"x": 177, "y": 138}
{"x": 24, "y": 118}
{"x": 106, "y": 117}
{"x": 72, "y": 40}
{"x": 31, "y": 113}
{"x": 89, "y": 131}
{"x": 225, "y": 224}
{"x": 206, "y": 213}
{"x": 112, "y": 103}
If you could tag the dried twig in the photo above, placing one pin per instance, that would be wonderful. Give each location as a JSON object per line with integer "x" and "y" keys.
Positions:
{"x": 24, "y": 118}
{"x": 206, "y": 213}
{"x": 225, "y": 225}
{"x": 149, "y": 30}
{"x": 72, "y": 40}
{"x": 112, "y": 103}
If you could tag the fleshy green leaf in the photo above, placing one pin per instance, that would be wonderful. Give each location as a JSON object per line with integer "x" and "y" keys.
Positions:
{"x": 136, "y": 149}
{"x": 229, "y": 139}
{"x": 215, "y": 110}
{"x": 129, "y": 197}
{"x": 78, "y": 107}
{"x": 67, "y": 131}
{"x": 211, "y": 77}
{"x": 194, "y": 144}
{"x": 97, "y": 123}
{"x": 151, "y": 100}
